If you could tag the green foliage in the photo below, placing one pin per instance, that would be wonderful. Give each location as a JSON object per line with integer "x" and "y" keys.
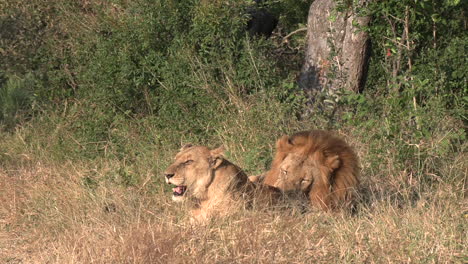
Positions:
{"x": 415, "y": 96}
{"x": 291, "y": 13}
{"x": 178, "y": 67}
{"x": 408, "y": 35}
{"x": 16, "y": 99}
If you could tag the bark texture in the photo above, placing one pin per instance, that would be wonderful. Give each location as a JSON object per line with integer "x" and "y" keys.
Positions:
{"x": 337, "y": 52}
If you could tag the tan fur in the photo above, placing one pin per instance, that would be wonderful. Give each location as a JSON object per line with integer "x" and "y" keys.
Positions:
{"x": 318, "y": 163}
{"x": 214, "y": 186}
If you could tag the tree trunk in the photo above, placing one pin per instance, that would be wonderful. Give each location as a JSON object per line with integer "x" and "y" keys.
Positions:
{"x": 337, "y": 52}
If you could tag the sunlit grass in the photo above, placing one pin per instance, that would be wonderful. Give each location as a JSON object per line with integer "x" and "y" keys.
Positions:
{"x": 81, "y": 211}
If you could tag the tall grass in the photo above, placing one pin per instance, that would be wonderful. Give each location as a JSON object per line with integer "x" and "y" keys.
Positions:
{"x": 65, "y": 209}
{"x": 49, "y": 216}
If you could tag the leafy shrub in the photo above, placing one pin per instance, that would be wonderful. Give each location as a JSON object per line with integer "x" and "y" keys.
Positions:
{"x": 16, "y": 99}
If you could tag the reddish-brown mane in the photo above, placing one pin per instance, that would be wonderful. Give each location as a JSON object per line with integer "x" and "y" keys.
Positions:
{"x": 336, "y": 160}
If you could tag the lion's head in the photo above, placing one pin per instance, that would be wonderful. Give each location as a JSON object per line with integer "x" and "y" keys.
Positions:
{"x": 192, "y": 171}
{"x": 296, "y": 172}
{"x": 284, "y": 146}
{"x": 315, "y": 162}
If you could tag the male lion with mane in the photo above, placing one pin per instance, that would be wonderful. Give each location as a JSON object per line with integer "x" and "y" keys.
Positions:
{"x": 317, "y": 163}
{"x": 214, "y": 185}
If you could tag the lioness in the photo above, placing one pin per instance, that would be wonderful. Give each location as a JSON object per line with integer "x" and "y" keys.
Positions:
{"x": 317, "y": 163}
{"x": 215, "y": 186}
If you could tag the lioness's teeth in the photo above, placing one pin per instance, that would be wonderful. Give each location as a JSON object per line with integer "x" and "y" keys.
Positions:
{"x": 179, "y": 189}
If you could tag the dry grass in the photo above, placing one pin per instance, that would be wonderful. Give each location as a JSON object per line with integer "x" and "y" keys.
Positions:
{"x": 47, "y": 215}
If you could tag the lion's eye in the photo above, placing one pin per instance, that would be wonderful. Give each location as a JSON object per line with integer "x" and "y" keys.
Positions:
{"x": 188, "y": 162}
{"x": 284, "y": 172}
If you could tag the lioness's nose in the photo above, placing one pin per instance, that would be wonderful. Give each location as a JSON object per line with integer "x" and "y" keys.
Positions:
{"x": 169, "y": 175}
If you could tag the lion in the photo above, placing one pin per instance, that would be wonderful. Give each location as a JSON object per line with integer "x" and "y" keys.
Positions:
{"x": 317, "y": 163}
{"x": 213, "y": 185}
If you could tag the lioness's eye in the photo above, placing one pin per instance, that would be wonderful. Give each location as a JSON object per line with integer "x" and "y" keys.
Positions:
{"x": 284, "y": 172}
{"x": 188, "y": 162}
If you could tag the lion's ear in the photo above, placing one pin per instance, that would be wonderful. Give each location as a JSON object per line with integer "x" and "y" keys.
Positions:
{"x": 186, "y": 146}
{"x": 217, "y": 157}
{"x": 333, "y": 162}
{"x": 284, "y": 143}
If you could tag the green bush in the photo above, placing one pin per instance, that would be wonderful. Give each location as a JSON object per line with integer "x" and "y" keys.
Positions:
{"x": 16, "y": 99}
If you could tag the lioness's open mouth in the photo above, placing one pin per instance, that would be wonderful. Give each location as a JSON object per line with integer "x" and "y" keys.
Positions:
{"x": 179, "y": 190}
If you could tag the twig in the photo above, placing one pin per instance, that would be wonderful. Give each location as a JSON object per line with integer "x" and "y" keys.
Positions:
{"x": 285, "y": 39}
{"x": 410, "y": 64}
{"x": 395, "y": 42}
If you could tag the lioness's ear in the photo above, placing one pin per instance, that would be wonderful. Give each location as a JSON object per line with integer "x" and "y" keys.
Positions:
{"x": 256, "y": 178}
{"x": 217, "y": 157}
{"x": 284, "y": 143}
{"x": 186, "y": 146}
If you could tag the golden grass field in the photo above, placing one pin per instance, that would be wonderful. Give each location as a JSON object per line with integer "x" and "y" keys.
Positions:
{"x": 47, "y": 215}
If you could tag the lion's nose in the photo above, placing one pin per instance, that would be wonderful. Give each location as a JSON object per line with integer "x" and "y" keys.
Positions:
{"x": 169, "y": 175}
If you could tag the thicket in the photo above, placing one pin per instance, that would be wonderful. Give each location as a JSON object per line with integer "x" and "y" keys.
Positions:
{"x": 122, "y": 79}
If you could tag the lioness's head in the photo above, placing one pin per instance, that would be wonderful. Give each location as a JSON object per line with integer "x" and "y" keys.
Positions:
{"x": 192, "y": 171}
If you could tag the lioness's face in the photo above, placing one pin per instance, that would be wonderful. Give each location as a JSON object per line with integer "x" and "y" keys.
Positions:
{"x": 295, "y": 172}
{"x": 191, "y": 172}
